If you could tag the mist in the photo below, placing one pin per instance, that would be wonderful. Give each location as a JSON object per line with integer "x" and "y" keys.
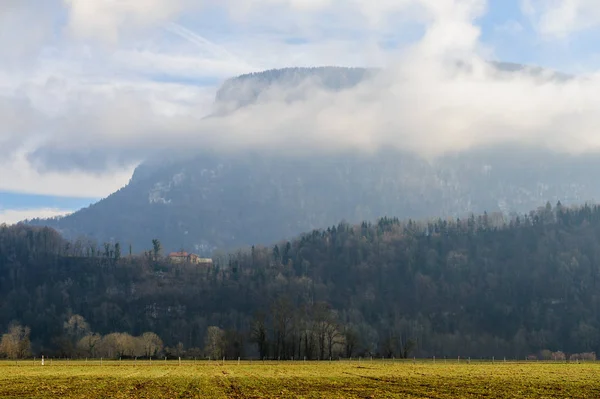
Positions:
{"x": 423, "y": 104}
{"x": 437, "y": 95}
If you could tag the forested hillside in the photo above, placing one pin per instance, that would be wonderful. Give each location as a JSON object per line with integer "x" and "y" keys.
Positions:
{"x": 295, "y": 82}
{"x": 213, "y": 201}
{"x": 480, "y": 286}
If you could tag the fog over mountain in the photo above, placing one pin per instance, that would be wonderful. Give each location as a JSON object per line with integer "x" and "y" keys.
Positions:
{"x": 204, "y": 199}
{"x": 99, "y": 87}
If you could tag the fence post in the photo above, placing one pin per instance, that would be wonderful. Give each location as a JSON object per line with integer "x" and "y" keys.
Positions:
{"x": 42, "y": 360}
{"x": 180, "y": 360}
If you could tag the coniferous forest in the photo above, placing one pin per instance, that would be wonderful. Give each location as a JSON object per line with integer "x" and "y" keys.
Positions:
{"x": 482, "y": 286}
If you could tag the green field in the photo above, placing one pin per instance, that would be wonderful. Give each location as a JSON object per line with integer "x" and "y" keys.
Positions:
{"x": 378, "y": 379}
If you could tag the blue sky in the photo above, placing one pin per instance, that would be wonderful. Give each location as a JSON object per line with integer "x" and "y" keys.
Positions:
{"x": 89, "y": 89}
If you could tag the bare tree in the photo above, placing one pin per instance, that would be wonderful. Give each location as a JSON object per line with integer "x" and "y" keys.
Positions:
{"x": 326, "y": 328}
{"x": 333, "y": 337}
{"x": 127, "y": 345}
{"x": 88, "y": 345}
{"x": 15, "y": 344}
{"x": 214, "y": 342}
{"x": 116, "y": 345}
{"x": 152, "y": 344}
{"x": 350, "y": 341}
{"x": 282, "y": 312}
{"x": 76, "y": 327}
{"x": 259, "y": 335}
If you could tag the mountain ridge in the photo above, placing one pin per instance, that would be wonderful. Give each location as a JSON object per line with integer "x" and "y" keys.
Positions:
{"x": 209, "y": 200}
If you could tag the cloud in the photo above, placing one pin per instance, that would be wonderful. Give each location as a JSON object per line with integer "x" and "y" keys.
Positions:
{"x": 427, "y": 106}
{"x": 116, "y": 125}
{"x": 423, "y": 103}
{"x": 78, "y": 120}
{"x": 562, "y": 18}
{"x": 28, "y": 23}
{"x": 13, "y": 216}
{"x": 107, "y": 20}
{"x": 18, "y": 175}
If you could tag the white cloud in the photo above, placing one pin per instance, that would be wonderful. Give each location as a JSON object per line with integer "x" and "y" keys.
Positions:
{"x": 561, "y": 18}
{"x": 78, "y": 119}
{"x": 426, "y": 106}
{"x": 28, "y": 23}
{"x": 108, "y": 19}
{"x": 13, "y": 216}
{"x": 18, "y": 175}
{"x": 424, "y": 103}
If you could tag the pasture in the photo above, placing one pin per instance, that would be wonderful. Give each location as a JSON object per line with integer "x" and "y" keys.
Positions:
{"x": 345, "y": 379}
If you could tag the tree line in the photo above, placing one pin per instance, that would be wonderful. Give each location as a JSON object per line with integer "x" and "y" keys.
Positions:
{"x": 486, "y": 285}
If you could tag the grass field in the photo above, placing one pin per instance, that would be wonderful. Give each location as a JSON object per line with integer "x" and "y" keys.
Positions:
{"x": 367, "y": 379}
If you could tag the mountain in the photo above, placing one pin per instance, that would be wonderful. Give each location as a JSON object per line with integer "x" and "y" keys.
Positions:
{"x": 210, "y": 200}
{"x": 248, "y": 89}
{"x": 477, "y": 287}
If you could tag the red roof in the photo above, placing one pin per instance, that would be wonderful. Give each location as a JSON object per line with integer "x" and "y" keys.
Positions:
{"x": 178, "y": 255}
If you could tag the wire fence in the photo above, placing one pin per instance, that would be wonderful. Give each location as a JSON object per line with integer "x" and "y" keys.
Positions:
{"x": 79, "y": 362}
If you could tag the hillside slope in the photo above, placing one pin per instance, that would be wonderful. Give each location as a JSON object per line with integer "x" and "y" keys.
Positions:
{"x": 212, "y": 201}
{"x": 474, "y": 287}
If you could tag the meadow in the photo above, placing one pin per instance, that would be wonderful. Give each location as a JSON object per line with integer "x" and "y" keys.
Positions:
{"x": 345, "y": 379}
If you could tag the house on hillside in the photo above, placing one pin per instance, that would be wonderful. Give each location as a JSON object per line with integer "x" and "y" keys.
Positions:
{"x": 184, "y": 257}
{"x": 179, "y": 257}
